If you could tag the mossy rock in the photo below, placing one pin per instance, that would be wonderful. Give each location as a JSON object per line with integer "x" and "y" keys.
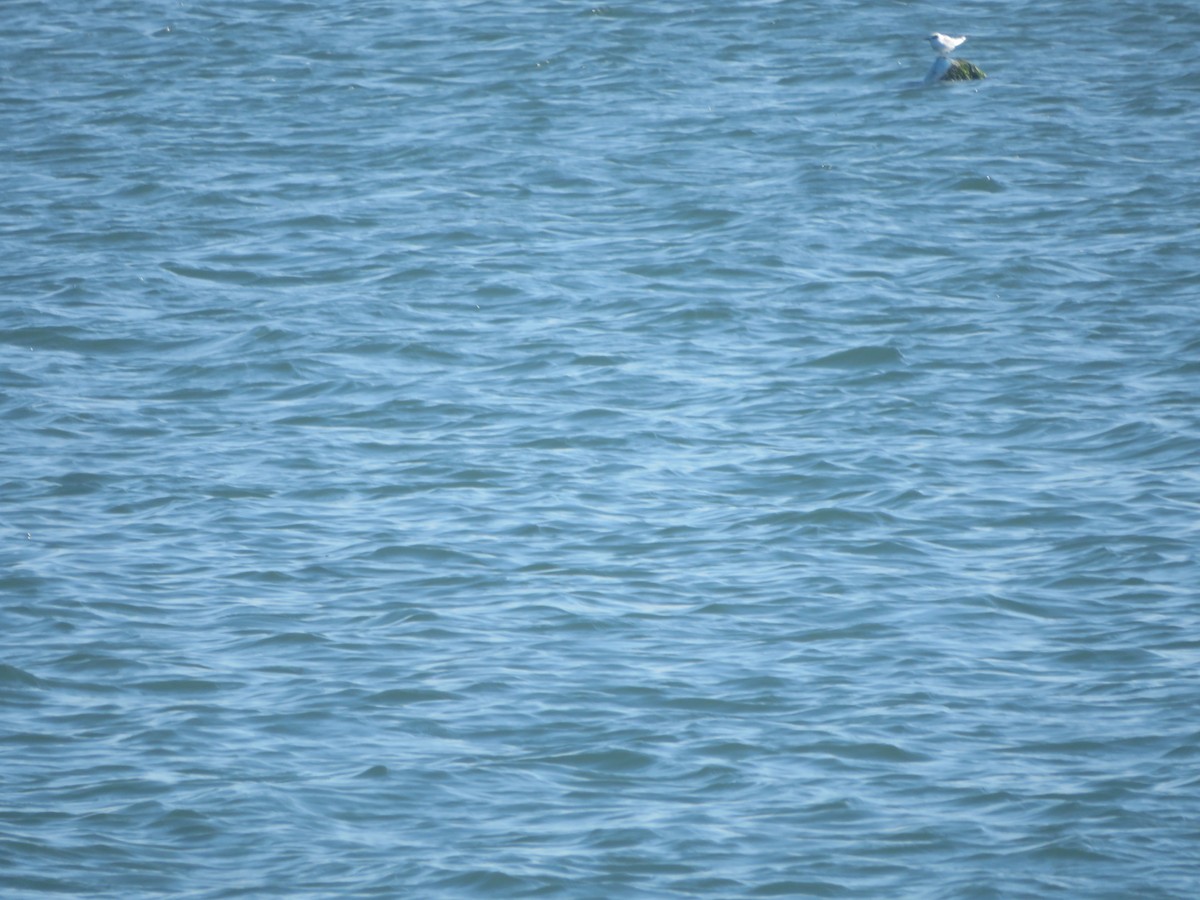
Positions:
{"x": 961, "y": 70}
{"x": 953, "y": 70}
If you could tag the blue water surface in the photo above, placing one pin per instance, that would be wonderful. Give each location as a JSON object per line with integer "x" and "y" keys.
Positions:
{"x": 648, "y": 450}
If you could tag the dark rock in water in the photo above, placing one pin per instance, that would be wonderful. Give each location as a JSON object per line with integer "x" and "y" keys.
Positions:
{"x": 953, "y": 70}
{"x": 961, "y": 70}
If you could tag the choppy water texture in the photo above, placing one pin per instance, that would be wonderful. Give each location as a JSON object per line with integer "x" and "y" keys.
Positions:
{"x": 649, "y": 450}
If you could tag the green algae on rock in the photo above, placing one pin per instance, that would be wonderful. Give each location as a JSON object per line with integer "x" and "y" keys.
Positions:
{"x": 961, "y": 70}
{"x": 953, "y": 70}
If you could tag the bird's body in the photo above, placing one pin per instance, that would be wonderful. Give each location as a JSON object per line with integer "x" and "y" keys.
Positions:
{"x": 943, "y": 45}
